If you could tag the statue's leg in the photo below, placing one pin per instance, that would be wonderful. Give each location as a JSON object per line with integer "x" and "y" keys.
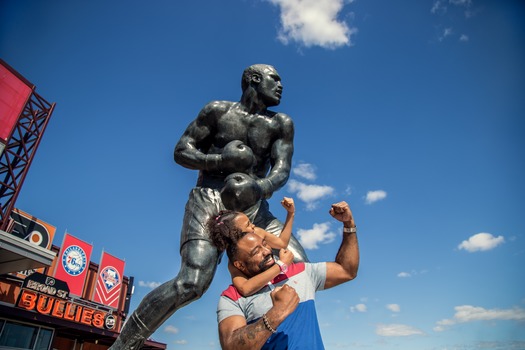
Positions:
{"x": 198, "y": 265}
{"x": 264, "y": 218}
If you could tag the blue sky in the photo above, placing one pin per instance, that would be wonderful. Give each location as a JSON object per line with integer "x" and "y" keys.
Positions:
{"x": 412, "y": 111}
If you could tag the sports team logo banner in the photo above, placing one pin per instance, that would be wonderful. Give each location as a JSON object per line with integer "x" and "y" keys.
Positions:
{"x": 73, "y": 263}
{"x": 31, "y": 229}
{"x": 109, "y": 280}
{"x": 34, "y": 230}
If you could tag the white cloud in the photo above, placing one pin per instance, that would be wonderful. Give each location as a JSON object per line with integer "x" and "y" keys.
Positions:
{"x": 441, "y": 7}
{"x": 469, "y": 313}
{"x": 358, "y": 308}
{"x": 305, "y": 170}
{"x": 412, "y": 273}
{"x": 171, "y": 329}
{"x": 461, "y": 2}
{"x": 438, "y": 7}
{"x": 309, "y": 193}
{"x": 469, "y": 13}
{"x": 481, "y": 242}
{"x": 393, "y": 307}
{"x": 319, "y": 234}
{"x": 396, "y": 330}
{"x": 446, "y": 33}
{"x": 374, "y": 196}
{"x": 313, "y": 23}
{"x": 181, "y": 342}
{"x": 149, "y": 284}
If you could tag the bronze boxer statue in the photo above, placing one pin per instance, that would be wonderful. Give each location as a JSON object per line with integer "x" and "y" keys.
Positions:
{"x": 243, "y": 153}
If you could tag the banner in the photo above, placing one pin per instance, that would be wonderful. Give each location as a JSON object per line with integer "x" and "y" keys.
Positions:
{"x": 109, "y": 280}
{"x": 34, "y": 230}
{"x": 31, "y": 229}
{"x": 73, "y": 263}
{"x": 14, "y": 94}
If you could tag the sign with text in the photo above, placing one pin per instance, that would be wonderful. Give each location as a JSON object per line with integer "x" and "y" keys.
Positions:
{"x": 50, "y": 296}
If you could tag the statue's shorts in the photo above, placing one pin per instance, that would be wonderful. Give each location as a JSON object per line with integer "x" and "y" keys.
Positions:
{"x": 205, "y": 202}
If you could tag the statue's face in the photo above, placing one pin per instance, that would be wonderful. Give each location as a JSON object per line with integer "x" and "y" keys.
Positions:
{"x": 270, "y": 88}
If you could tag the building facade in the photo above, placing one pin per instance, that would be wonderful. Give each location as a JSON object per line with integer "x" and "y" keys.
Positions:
{"x": 38, "y": 312}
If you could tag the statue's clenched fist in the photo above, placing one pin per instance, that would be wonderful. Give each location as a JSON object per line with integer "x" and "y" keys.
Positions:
{"x": 240, "y": 192}
{"x": 236, "y": 156}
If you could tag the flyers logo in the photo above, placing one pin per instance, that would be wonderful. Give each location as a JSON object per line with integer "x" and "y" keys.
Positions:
{"x": 30, "y": 229}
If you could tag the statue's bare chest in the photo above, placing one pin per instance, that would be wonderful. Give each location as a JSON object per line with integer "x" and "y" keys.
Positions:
{"x": 256, "y": 131}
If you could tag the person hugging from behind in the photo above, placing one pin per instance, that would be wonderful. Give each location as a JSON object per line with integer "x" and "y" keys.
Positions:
{"x": 228, "y": 224}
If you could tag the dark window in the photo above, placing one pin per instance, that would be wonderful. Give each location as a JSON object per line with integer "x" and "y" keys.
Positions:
{"x": 44, "y": 339}
{"x": 23, "y": 336}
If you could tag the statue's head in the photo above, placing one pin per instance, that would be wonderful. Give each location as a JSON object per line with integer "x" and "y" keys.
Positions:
{"x": 264, "y": 81}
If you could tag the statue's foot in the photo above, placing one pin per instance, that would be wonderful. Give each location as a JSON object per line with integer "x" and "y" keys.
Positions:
{"x": 134, "y": 342}
{"x": 132, "y": 336}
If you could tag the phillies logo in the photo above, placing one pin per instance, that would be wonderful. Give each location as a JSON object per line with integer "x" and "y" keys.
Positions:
{"x": 110, "y": 277}
{"x": 74, "y": 260}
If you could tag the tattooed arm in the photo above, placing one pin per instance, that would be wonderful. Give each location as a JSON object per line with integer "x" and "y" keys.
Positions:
{"x": 235, "y": 334}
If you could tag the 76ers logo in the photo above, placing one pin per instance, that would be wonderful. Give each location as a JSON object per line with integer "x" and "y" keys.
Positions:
{"x": 74, "y": 260}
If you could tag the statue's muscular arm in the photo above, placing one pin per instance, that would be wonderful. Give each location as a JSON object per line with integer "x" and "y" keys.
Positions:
{"x": 280, "y": 157}
{"x": 198, "y": 137}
